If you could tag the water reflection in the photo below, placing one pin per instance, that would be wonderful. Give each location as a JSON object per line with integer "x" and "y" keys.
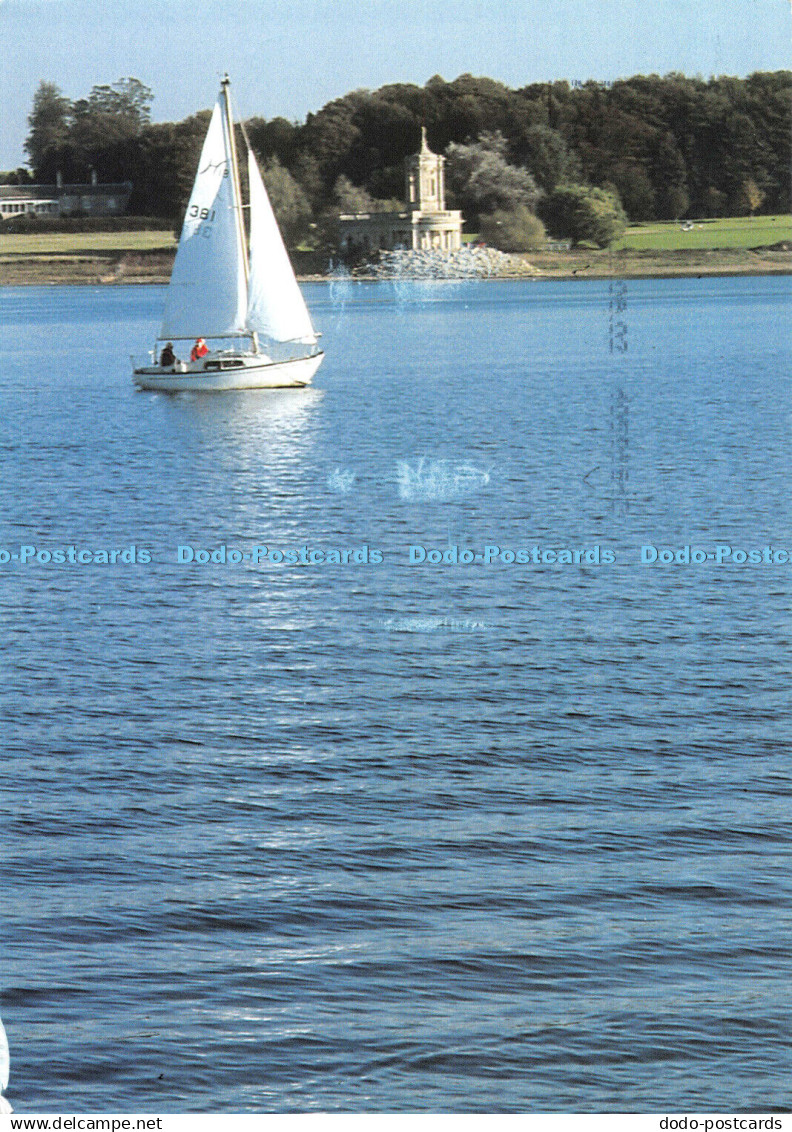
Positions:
{"x": 272, "y": 426}
{"x": 412, "y": 292}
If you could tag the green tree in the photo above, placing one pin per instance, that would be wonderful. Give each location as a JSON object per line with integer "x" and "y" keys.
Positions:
{"x": 351, "y": 198}
{"x": 105, "y": 125}
{"x": 277, "y": 138}
{"x": 635, "y": 190}
{"x": 308, "y": 175}
{"x": 715, "y": 203}
{"x": 545, "y": 154}
{"x": 769, "y": 95}
{"x": 326, "y": 141}
{"x": 165, "y": 159}
{"x": 667, "y": 171}
{"x": 460, "y": 110}
{"x": 518, "y": 230}
{"x": 584, "y": 214}
{"x": 674, "y": 202}
{"x": 125, "y": 106}
{"x": 19, "y": 176}
{"x": 289, "y": 203}
{"x": 483, "y": 181}
{"x": 752, "y": 196}
{"x": 47, "y": 144}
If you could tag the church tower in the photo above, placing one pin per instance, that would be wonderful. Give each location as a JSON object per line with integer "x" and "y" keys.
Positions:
{"x": 426, "y": 225}
{"x": 425, "y": 180}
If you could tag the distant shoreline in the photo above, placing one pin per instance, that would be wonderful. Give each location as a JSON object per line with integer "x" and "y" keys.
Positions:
{"x": 154, "y": 267}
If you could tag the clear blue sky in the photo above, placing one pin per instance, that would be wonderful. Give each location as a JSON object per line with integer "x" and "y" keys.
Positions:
{"x": 291, "y": 56}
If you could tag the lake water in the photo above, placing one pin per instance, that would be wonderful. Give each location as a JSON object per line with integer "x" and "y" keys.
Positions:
{"x": 488, "y": 836}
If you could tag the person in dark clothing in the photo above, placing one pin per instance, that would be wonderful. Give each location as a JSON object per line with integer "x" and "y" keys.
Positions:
{"x": 167, "y": 357}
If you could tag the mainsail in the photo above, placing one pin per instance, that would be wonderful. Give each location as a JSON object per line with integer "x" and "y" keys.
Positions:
{"x": 276, "y": 308}
{"x": 207, "y": 295}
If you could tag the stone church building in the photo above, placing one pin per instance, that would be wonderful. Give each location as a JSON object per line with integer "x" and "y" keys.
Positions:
{"x": 426, "y": 223}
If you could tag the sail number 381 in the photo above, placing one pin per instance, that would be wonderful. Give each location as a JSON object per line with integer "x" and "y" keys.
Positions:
{"x": 204, "y": 218}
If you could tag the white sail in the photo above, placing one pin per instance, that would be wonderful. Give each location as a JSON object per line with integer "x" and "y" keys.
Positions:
{"x": 207, "y": 295}
{"x": 5, "y": 1107}
{"x": 276, "y": 308}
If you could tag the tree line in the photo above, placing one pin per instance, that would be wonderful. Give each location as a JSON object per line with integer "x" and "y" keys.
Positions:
{"x": 643, "y": 148}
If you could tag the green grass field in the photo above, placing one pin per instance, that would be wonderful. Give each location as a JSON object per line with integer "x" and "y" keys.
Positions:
{"x": 84, "y": 243}
{"x": 728, "y": 232}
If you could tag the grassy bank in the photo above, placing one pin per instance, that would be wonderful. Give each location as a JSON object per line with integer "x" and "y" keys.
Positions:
{"x": 727, "y": 232}
{"x": 84, "y": 243}
{"x": 729, "y": 246}
{"x": 86, "y": 257}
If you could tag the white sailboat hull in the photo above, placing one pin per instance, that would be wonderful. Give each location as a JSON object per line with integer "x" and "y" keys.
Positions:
{"x": 246, "y": 371}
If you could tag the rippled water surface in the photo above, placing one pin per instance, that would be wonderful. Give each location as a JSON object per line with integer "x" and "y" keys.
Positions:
{"x": 458, "y": 837}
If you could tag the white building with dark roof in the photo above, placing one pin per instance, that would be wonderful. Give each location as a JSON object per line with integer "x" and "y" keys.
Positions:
{"x": 64, "y": 200}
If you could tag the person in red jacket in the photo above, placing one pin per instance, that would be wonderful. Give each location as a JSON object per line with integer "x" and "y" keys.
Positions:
{"x": 199, "y": 350}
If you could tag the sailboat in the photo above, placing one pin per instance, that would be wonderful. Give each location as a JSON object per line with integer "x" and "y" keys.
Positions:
{"x": 243, "y": 299}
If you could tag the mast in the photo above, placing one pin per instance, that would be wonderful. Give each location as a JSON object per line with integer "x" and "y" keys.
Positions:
{"x": 235, "y": 180}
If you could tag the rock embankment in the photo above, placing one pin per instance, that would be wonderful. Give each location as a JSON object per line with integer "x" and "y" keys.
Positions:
{"x": 464, "y": 263}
